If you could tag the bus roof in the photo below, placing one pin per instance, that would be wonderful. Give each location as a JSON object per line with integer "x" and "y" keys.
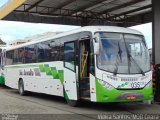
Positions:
{"x": 4, "y": 46}
{"x": 86, "y": 28}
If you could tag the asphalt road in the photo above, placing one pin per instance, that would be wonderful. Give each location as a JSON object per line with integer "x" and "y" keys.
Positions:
{"x": 45, "y": 107}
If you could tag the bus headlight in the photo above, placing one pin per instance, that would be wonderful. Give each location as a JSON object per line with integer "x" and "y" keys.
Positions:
{"x": 106, "y": 85}
{"x": 149, "y": 84}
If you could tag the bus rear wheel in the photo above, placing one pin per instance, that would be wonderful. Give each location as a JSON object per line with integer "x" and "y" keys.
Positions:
{"x": 21, "y": 87}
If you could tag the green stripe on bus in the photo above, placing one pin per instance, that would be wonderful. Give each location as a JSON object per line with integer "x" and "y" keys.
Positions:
{"x": 41, "y": 67}
{"x": 109, "y": 95}
{"x": 66, "y": 96}
{"x": 61, "y": 75}
{"x": 2, "y": 80}
{"x": 47, "y": 70}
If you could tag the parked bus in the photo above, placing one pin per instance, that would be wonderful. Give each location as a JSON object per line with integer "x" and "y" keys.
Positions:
{"x": 94, "y": 63}
{"x": 2, "y": 62}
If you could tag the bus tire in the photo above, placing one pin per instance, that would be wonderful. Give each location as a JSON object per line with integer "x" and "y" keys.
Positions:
{"x": 21, "y": 87}
{"x": 73, "y": 103}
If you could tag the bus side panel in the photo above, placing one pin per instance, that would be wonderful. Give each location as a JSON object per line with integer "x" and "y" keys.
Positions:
{"x": 70, "y": 84}
{"x": 11, "y": 77}
{"x": 93, "y": 88}
{"x": 42, "y": 78}
{"x": 44, "y": 84}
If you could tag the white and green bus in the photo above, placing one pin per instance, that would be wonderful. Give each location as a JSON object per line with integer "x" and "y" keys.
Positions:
{"x": 94, "y": 63}
{"x": 2, "y": 63}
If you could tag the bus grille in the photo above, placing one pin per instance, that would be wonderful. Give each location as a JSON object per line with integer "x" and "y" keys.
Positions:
{"x": 129, "y": 79}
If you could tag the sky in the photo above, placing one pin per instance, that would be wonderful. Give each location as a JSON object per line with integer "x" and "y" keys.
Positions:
{"x": 10, "y": 30}
{"x": 146, "y": 29}
{"x": 3, "y": 2}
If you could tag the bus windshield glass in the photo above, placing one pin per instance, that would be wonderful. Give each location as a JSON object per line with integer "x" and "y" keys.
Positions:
{"x": 123, "y": 53}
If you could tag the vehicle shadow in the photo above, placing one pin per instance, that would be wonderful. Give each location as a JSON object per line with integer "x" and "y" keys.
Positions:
{"x": 86, "y": 105}
{"x": 113, "y": 107}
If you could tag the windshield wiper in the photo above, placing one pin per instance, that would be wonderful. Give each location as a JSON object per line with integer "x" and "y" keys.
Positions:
{"x": 130, "y": 56}
{"x": 117, "y": 60}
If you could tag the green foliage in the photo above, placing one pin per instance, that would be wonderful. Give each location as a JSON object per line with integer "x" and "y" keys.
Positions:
{"x": 2, "y": 42}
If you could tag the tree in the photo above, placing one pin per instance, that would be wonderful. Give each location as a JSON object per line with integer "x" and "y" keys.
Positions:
{"x": 2, "y": 42}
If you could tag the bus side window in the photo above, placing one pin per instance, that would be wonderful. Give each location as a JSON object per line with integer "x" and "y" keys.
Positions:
{"x": 40, "y": 52}
{"x": 34, "y": 54}
{"x": 15, "y": 56}
{"x": 47, "y": 52}
{"x": 46, "y": 55}
{"x": 20, "y": 59}
{"x": 69, "y": 55}
{"x": 43, "y": 52}
{"x": 61, "y": 54}
{"x": 30, "y": 54}
{"x": 9, "y": 57}
{"x": 54, "y": 53}
{"x": 26, "y": 55}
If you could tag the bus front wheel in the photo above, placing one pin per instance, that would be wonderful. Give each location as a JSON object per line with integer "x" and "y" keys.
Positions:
{"x": 21, "y": 87}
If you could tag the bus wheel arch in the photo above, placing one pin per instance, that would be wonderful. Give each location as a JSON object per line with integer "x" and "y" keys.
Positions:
{"x": 21, "y": 87}
{"x": 73, "y": 103}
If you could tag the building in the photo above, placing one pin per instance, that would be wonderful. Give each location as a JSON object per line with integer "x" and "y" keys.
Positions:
{"x": 17, "y": 42}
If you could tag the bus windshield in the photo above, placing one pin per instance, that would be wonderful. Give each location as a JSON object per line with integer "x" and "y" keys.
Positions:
{"x": 123, "y": 53}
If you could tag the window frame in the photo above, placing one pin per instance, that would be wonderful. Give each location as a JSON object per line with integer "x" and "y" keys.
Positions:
{"x": 74, "y": 55}
{"x": 8, "y": 57}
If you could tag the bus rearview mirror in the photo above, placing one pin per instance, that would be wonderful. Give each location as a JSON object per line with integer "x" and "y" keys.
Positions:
{"x": 96, "y": 45}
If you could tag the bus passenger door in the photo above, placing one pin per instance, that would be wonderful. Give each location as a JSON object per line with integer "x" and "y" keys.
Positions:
{"x": 84, "y": 56}
{"x": 70, "y": 82}
{"x": 87, "y": 80}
